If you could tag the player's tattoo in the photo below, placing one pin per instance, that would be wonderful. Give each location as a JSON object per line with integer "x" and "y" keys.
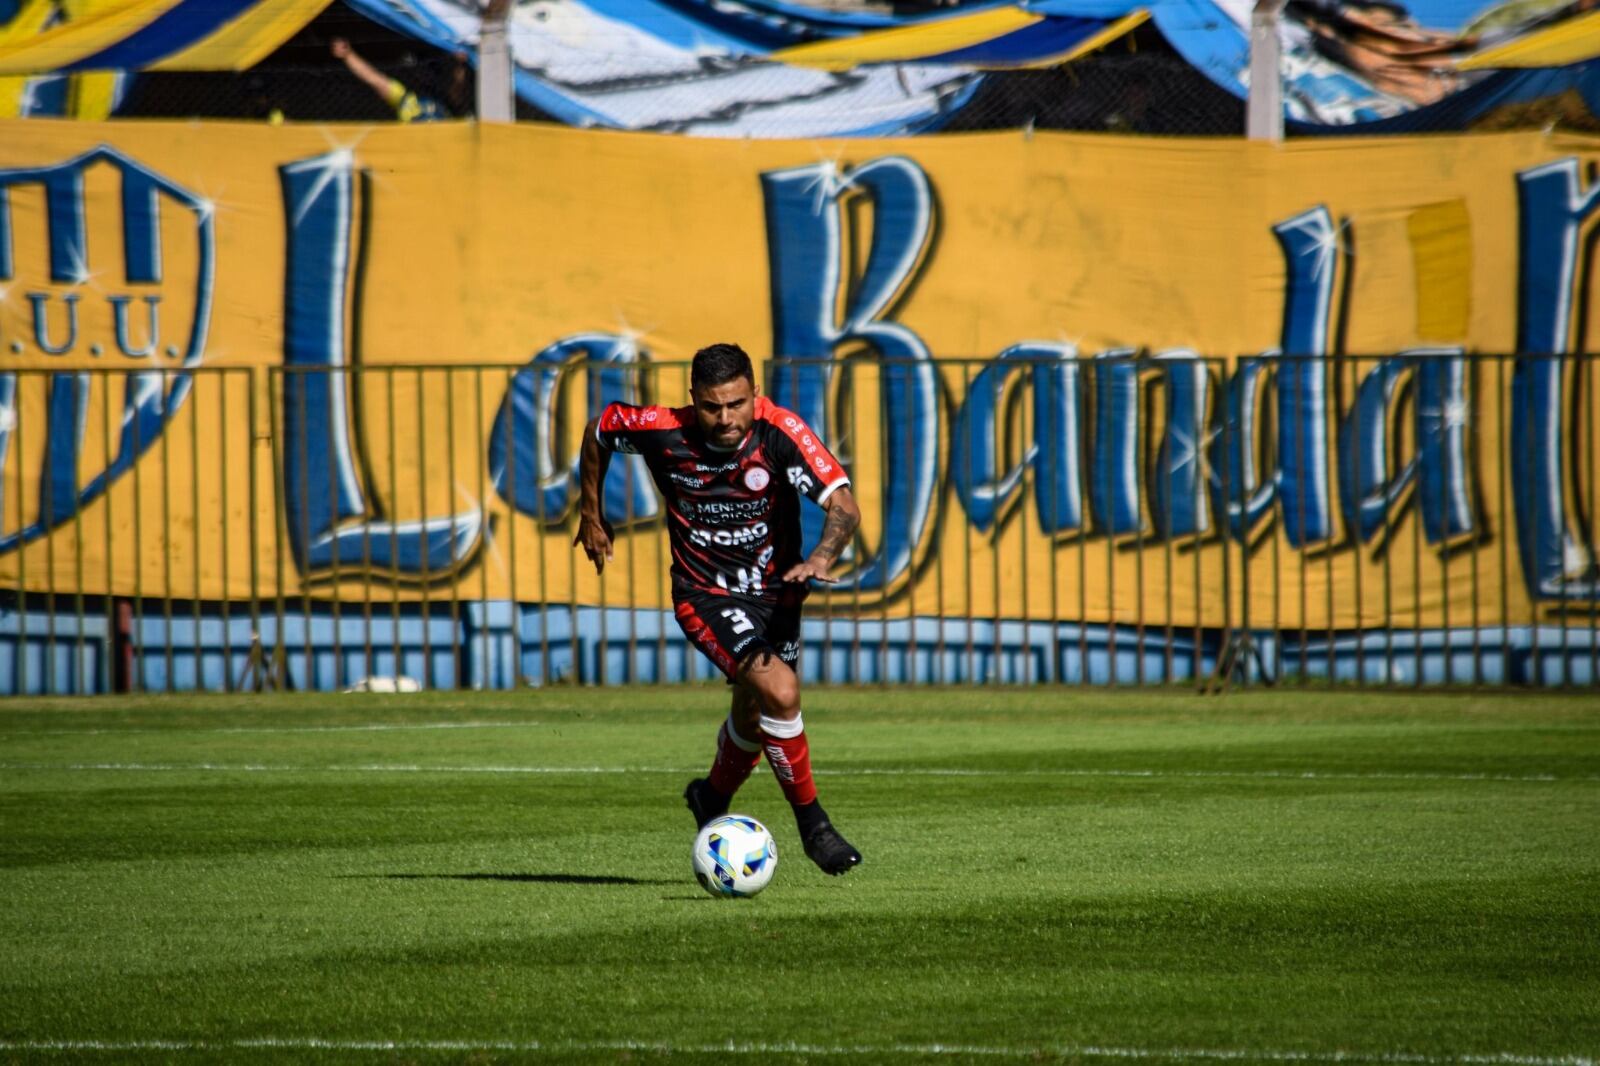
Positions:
{"x": 836, "y": 532}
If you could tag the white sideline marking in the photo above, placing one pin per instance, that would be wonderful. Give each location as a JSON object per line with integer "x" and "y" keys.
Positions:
{"x": 262, "y": 768}
{"x": 1288, "y": 775}
{"x": 381, "y": 727}
{"x": 407, "y": 768}
{"x": 311, "y": 1043}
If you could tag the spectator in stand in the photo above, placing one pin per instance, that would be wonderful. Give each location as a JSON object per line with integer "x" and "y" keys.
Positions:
{"x": 262, "y": 101}
{"x": 409, "y": 106}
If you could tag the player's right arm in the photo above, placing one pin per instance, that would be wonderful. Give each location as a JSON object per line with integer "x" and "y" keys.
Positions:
{"x": 594, "y": 532}
{"x": 621, "y": 427}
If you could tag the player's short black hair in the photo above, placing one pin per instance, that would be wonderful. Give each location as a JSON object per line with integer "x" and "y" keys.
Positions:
{"x": 718, "y": 364}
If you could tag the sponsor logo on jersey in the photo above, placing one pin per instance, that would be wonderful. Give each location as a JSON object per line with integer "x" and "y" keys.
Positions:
{"x": 743, "y": 579}
{"x": 716, "y": 511}
{"x": 688, "y": 480}
{"x": 800, "y": 479}
{"x": 723, "y": 469}
{"x": 756, "y": 478}
{"x": 730, "y": 538}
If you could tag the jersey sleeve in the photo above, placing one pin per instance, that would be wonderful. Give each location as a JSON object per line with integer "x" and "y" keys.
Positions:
{"x": 622, "y": 426}
{"x": 394, "y": 93}
{"x": 810, "y": 467}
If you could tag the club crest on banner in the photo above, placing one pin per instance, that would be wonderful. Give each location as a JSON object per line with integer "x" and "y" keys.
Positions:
{"x": 73, "y": 298}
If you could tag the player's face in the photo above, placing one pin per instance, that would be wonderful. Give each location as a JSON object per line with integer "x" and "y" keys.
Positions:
{"x": 725, "y": 412}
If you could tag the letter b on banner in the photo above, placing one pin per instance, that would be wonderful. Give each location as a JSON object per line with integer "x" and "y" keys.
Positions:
{"x": 806, "y": 218}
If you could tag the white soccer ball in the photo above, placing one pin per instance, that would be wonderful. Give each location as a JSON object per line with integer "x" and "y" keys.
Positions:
{"x": 734, "y": 856}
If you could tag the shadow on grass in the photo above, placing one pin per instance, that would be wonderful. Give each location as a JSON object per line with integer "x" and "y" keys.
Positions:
{"x": 528, "y": 879}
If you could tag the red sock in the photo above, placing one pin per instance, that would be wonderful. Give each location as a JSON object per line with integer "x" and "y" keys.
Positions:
{"x": 736, "y": 759}
{"x": 790, "y": 758}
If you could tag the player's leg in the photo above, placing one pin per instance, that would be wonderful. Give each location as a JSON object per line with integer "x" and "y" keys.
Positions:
{"x": 766, "y": 641}
{"x": 738, "y": 739}
{"x": 738, "y": 752}
{"x": 746, "y": 712}
{"x": 789, "y": 754}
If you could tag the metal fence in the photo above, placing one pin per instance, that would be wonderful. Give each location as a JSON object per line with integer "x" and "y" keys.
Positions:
{"x": 1426, "y": 518}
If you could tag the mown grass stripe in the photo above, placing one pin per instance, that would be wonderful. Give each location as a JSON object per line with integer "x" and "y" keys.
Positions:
{"x": 407, "y": 768}
{"x": 1503, "y": 1058}
{"x": 378, "y": 727}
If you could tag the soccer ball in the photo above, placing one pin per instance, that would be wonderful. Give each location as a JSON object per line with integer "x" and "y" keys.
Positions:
{"x": 734, "y": 856}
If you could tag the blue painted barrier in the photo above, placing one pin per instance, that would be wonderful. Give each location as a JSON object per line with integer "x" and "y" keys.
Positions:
{"x": 63, "y": 654}
{"x": 502, "y": 645}
{"x": 318, "y": 650}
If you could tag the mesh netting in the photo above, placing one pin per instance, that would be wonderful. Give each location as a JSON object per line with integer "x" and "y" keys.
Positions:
{"x": 303, "y": 82}
{"x": 1137, "y": 84}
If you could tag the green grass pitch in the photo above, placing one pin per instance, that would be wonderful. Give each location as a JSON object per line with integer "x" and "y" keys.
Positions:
{"x": 1050, "y": 875}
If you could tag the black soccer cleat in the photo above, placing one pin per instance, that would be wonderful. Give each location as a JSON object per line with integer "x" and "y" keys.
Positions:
{"x": 705, "y": 802}
{"x": 830, "y": 851}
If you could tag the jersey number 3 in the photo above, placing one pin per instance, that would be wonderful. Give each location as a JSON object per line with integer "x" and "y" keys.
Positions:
{"x": 741, "y": 621}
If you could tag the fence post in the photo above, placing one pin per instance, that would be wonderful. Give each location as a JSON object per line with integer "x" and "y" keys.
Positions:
{"x": 495, "y": 90}
{"x": 1264, "y": 116}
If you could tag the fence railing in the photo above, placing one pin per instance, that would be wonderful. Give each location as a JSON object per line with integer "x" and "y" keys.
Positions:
{"x": 1424, "y": 518}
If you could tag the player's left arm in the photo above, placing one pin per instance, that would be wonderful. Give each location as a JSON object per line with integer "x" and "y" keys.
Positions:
{"x": 843, "y": 517}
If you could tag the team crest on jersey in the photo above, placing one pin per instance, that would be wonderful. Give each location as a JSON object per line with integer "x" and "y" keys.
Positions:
{"x": 756, "y": 478}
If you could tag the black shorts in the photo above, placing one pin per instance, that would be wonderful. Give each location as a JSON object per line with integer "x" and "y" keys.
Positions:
{"x": 730, "y": 629}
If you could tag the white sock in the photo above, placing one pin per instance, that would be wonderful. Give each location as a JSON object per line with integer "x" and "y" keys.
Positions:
{"x": 739, "y": 742}
{"x": 783, "y": 730}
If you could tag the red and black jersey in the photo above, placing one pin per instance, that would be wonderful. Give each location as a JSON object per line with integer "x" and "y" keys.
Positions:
{"x": 733, "y": 516}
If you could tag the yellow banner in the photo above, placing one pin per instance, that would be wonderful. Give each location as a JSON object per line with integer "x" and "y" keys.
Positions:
{"x": 308, "y": 362}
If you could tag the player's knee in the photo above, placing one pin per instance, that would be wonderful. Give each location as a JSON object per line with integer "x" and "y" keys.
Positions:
{"x": 785, "y": 699}
{"x": 777, "y": 685}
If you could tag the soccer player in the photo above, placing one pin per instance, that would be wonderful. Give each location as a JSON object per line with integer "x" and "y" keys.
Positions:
{"x": 732, "y": 467}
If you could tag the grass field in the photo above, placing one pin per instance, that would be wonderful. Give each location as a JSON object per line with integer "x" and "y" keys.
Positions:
{"x": 1049, "y": 875}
